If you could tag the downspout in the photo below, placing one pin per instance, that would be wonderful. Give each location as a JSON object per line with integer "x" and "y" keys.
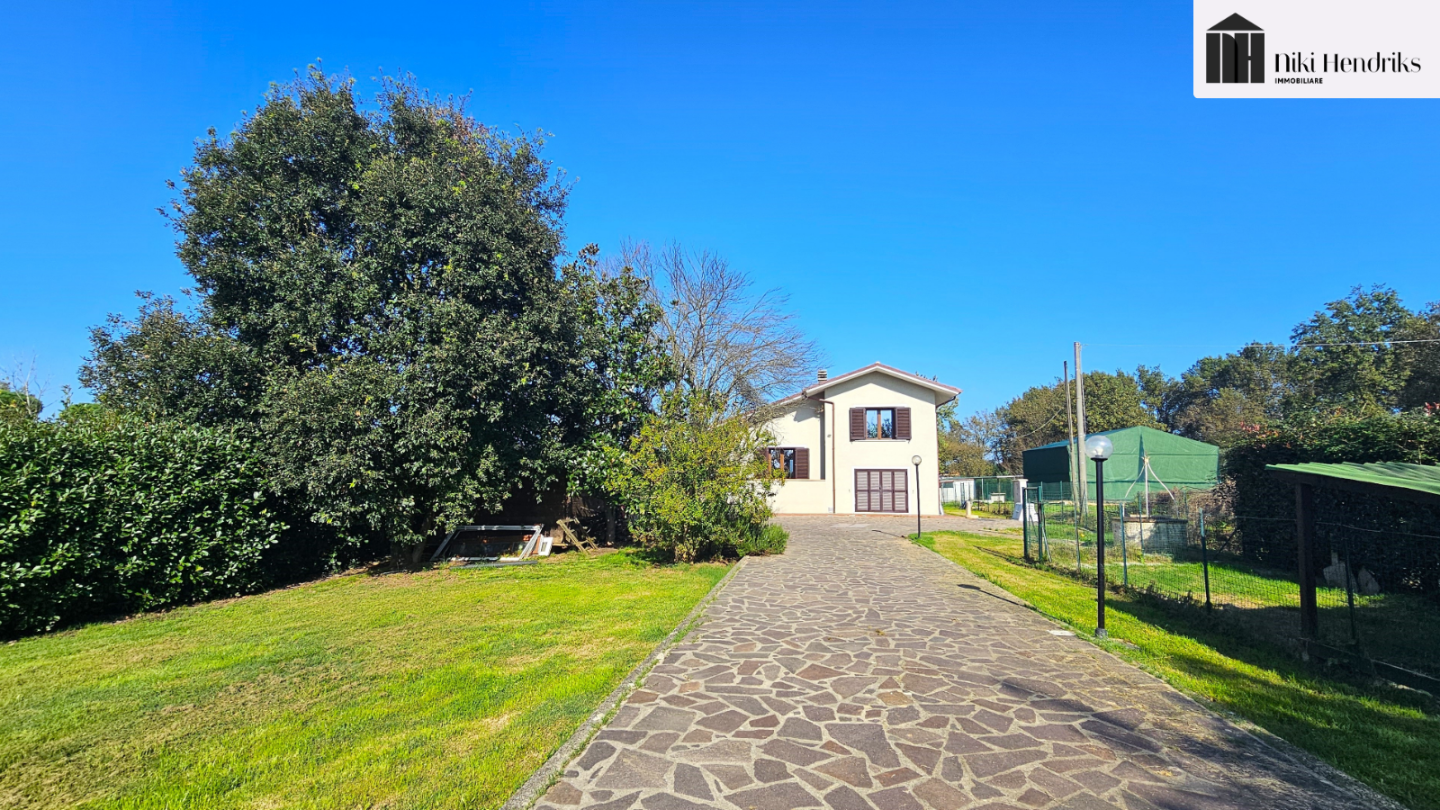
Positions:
{"x": 830, "y": 423}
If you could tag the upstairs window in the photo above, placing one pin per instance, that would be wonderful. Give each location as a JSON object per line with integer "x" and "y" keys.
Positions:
{"x": 879, "y": 423}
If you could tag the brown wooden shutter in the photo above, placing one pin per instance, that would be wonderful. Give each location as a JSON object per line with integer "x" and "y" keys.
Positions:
{"x": 857, "y": 424}
{"x": 902, "y": 488}
{"x": 902, "y": 423}
{"x": 802, "y": 462}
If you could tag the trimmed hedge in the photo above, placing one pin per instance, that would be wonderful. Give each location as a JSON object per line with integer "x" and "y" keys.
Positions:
{"x": 1265, "y": 507}
{"x": 106, "y": 517}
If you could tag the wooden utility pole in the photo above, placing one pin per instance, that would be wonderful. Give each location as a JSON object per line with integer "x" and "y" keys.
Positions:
{"x": 1084, "y": 497}
{"x": 1070, "y": 433}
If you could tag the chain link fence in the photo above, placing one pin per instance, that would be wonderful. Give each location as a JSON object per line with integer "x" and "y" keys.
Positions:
{"x": 1378, "y": 590}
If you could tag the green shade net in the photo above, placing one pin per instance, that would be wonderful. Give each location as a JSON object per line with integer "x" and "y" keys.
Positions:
{"x": 1179, "y": 462}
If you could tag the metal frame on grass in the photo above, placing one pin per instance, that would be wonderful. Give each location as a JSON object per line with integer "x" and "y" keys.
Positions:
{"x": 532, "y": 543}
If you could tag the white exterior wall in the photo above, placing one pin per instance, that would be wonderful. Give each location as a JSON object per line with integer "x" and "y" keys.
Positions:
{"x": 801, "y": 426}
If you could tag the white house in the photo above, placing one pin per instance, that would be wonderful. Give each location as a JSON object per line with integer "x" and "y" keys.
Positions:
{"x": 885, "y": 417}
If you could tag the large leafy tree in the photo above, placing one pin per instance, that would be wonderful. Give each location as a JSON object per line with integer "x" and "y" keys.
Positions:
{"x": 1345, "y": 360}
{"x": 379, "y": 299}
{"x": 1219, "y": 398}
{"x": 1037, "y": 416}
{"x": 165, "y": 362}
{"x": 968, "y": 445}
{"x": 1421, "y": 356}
{"x": 621, "y": 369}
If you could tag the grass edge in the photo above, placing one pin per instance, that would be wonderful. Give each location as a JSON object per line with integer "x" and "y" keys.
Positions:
{"x": 1115, "y": 649}
{"x": 549, "y": 773}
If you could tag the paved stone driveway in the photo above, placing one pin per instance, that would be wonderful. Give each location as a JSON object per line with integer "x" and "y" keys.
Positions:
{"x": 860, "y": 671}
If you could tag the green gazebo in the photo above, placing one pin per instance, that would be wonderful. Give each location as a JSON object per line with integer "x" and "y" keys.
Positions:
{"x": 1176, "y": 461}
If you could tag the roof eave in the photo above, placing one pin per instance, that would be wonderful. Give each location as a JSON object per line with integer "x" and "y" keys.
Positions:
{"x": 937, "y": 387}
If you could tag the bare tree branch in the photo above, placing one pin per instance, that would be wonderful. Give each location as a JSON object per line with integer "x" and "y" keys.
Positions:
{"x": 723, "y": 337}
{"x": 20, "y": 379}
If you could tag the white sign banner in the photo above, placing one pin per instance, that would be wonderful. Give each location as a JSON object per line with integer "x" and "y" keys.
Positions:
{"x": 1317, "y": 49}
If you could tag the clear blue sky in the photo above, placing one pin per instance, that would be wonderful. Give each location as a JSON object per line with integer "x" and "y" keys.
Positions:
{"x": 961, "y": 192}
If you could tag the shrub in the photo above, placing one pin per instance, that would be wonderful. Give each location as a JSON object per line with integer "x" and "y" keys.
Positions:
{"x": 693, "y": 480}
{"x": 102, "y": 517}
{"x": 768, "y": 539}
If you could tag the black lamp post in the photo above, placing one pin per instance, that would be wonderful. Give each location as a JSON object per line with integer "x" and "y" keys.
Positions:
{"x": 915, "y": 459}
{"x": 1098, "y": 448}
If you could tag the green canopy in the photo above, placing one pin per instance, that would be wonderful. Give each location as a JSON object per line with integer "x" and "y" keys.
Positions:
{"x": 1416, "y": 482}
{"x": 1178, "y": 462}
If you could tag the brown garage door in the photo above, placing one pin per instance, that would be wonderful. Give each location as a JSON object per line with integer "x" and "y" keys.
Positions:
{"x": 881, "y": 491}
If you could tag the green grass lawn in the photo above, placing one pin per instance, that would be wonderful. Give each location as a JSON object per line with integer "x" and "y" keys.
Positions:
{"x": 444, "y": 688}
{"x": 1385, "y": 736}
{"x": 1399, "y": 628}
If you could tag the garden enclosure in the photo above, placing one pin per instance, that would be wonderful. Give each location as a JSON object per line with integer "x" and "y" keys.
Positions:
{"x": 1377, "y": 588}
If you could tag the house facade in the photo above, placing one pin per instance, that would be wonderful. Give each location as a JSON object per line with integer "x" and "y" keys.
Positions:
{"x": 847, "y": 444}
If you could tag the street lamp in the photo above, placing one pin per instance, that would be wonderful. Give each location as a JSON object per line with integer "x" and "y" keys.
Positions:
{"x": 1099, "y": 448}
{"x": 915, "y": 459}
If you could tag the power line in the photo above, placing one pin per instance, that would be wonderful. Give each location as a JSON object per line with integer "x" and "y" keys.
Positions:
{"x": 1255, "y": 343}
{"x": 1042, "y": 427}
{"x": 1366, "y": 343}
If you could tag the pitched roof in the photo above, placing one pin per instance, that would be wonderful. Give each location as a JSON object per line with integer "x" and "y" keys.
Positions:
{"x": 1234, "y": 23}
{"x": 925, "y": 382}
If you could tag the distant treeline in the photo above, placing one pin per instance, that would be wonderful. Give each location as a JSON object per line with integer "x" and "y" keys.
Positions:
{"x": 1366, "y": 355}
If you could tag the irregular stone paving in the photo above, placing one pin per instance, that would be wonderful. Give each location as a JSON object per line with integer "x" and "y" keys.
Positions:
{"x": 860, "y": 671}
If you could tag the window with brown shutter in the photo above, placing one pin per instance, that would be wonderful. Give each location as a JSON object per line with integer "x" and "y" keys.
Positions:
{"x": 790, "y": 462}
{"x": 879, "y": 423}
{"x": 902, "y": 423}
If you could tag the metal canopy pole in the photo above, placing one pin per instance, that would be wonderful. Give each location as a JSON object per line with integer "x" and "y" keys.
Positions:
{"x": 1124, "y": 540}
{"x": 1025, "y": 521}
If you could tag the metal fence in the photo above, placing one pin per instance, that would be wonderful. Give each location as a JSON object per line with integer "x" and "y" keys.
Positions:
{"x": 997, "y": 489}
{"x": 1378, "y": 592}
{"x": 1051, "y": 491}
{"x": 1378, "y": 595}
{"x": 988, "y": 495}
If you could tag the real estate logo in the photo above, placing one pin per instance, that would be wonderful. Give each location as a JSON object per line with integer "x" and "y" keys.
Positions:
{"x": 1234, "y": 52}
{"x": 1315, "y": 49}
